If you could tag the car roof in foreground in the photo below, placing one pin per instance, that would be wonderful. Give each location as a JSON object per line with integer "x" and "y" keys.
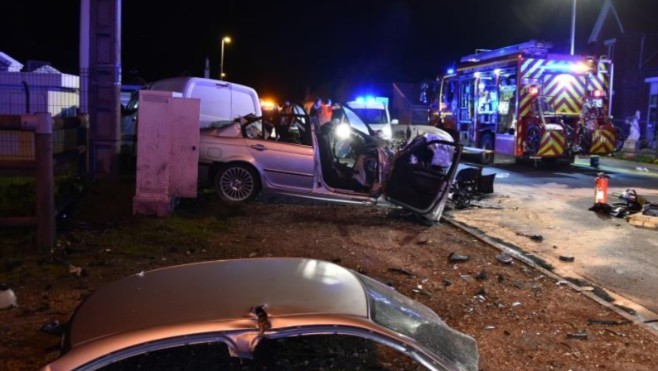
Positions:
{"x": 222, "y": 290}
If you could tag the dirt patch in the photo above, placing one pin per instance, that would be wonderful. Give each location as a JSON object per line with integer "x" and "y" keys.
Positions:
{"x": 521, "y": 318}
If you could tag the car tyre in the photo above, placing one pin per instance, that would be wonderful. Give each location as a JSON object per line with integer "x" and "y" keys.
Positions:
{"x": 237, "y": 183}
{"x": 487, "y": 143}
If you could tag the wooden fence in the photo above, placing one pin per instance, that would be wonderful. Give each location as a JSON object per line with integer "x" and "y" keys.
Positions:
{"x": 36, "y": 146}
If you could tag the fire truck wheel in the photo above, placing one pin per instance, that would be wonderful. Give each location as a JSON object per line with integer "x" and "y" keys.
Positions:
{"x": 533, "y": 138}
{"x": 487, "y": 144}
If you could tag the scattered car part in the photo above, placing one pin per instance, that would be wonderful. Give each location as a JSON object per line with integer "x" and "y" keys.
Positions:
{"x": 505, "y": 259}
{"x": 454, "y": 257}
{"x": 470, "y": 183}
{"x": 533, "y": 237}
{"x": 7, "y": 297}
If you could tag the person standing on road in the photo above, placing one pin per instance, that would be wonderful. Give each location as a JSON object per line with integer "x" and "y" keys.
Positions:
{"x": 326, "y": 112}
{"x": 285, "y": 121}
{"x": 315, "y": 111}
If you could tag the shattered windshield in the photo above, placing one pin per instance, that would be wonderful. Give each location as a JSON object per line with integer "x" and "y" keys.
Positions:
{"x": 401, "y": 314}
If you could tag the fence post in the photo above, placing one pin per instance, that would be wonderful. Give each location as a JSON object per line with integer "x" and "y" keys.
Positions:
{"x": 45, "y": 184}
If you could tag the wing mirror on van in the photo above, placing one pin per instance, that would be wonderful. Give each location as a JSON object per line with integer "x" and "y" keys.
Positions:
{"x": 395, "y": 122}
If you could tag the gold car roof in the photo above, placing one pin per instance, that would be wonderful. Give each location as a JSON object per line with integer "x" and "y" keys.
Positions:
{"x": 223, "y": 290}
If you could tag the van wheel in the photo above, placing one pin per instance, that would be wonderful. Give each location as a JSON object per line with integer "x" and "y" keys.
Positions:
{"x": 487, "y": 144}
{"x": 237, "y": 183}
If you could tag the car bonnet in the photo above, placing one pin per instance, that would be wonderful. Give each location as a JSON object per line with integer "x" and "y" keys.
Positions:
{"x": 218, "y": 291}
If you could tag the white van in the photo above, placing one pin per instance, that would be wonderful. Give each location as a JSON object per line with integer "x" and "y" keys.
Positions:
{"x": 374, "y": 112}
{"x": 220, "y": 102}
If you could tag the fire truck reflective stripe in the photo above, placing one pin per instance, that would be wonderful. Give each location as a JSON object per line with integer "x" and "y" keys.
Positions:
{"x": 552, "y": 144}
{"x": 566, "y": 92}
{"x": 596, "y": 83}
{"x": 531, "y": 68}
{"x": 603, "y": 142}
{"x": 525, "y": 104}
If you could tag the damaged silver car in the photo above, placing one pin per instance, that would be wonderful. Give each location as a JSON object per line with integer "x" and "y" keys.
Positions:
{"x": 339, "y": 161}
{"x": 220, "y": 314}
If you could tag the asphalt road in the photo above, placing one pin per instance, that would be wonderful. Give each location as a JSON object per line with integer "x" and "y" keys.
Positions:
{"x": 609, "y": 252}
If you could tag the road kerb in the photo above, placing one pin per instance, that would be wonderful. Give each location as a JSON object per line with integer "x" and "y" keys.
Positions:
{"x": 515, "y": 254}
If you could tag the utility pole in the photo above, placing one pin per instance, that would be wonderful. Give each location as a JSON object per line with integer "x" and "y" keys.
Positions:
{"x": 573, "y": 27}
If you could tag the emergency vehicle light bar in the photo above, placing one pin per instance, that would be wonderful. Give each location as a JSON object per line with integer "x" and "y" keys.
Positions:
{"x": 531, "y": 48}
{"x": 567, "y": 66}
{"x": 369, "y": 99}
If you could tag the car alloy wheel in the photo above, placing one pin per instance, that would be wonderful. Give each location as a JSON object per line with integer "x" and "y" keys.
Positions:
{"x": 237, "y": 183}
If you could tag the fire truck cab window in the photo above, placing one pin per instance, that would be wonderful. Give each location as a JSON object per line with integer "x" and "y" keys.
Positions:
{"x": 465, "y": 106}
{"x": 487, "y": 96}
{"x": 506, "y": 104}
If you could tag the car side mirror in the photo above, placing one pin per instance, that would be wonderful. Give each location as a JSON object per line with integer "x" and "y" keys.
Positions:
{"x": 394, "y": 122}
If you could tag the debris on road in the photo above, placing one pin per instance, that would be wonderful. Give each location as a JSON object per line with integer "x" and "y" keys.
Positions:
{"x": 7, "y": 297}
{"x": 454, "y": 257}
{"x": 533, "y": 237}
{"x": 582, "y": 335}
{"x": 400, "y": 271}
{"x": 606, "y": 322}
{"x": 53, "y": 328}
{"x": 505, "y": 258}
{"x": 567, "y": 258}
{"x": 469, "y": 184}
{"x": 630, "y": 207}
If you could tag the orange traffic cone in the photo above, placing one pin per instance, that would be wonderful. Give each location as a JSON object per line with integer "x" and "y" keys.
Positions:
{"x": 601, "y": 195}
{"x": 601, "y": 189}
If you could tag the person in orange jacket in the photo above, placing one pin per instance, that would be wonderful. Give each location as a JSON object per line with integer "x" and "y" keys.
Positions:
{"x": 325, "y": 113}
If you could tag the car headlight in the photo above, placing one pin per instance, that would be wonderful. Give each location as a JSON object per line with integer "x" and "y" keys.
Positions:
{"x": 343, "y": 131}
{"x": 387, "y": 132}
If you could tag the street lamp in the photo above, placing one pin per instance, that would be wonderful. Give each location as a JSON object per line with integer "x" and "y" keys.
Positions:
{"x": 573, "y": 26}
{"x": 225, "y": 40}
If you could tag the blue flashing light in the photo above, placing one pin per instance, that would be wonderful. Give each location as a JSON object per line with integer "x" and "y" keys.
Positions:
{"x": 567, "y": 66}
{"x": 451, "y": 71}
{"x": 371, "y": 100}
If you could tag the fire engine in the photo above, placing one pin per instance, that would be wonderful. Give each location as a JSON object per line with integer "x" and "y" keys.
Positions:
{"x": 525, "y": 102}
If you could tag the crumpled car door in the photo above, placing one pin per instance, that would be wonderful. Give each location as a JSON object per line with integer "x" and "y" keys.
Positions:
{"x": 421, "y": 175}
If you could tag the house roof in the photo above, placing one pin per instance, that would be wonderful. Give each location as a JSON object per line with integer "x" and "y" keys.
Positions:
{"x": 637, "y": 16}
{"x": 9, "y": 64}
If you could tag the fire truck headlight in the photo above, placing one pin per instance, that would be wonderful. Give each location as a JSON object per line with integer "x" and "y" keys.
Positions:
{"x": 580, "y": 67}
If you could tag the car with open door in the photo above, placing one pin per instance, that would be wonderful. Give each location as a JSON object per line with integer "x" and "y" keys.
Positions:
{"x": 258, "y": 314}
{"x": 337, "y": 162}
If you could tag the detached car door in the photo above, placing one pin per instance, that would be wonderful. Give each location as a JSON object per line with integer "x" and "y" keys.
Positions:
{"x": 421, "y": 174}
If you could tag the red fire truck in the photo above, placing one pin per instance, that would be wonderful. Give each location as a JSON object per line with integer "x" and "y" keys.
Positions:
{"x": 524, "y": 102}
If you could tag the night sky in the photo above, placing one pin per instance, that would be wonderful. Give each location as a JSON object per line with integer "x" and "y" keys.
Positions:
{"x": 287, "y": 48}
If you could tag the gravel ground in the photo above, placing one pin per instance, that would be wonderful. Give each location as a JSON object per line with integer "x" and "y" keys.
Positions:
{"x": 521, "y": 318}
